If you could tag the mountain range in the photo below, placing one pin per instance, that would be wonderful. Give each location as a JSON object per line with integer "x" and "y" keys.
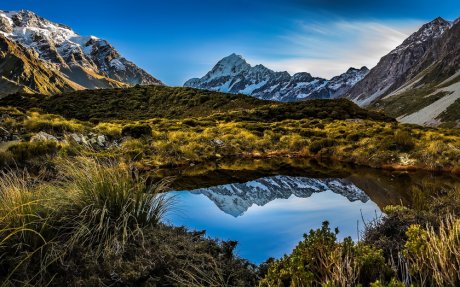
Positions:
{"x": 233, "y": 74}
{"x": 237, "y": 198}
{"x": 40, "y": 56}
{"x": 417, "y": 82}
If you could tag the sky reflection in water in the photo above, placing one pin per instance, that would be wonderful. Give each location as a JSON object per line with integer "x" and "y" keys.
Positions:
{"x": 275, "y": 228}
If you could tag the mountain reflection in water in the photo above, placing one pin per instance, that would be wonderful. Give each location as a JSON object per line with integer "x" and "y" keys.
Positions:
{"x": 237, "y": 198}
{"x": 268, "y": 205}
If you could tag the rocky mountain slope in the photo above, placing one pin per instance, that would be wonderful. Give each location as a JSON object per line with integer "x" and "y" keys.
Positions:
{"x": 237, "y": 198}
{"x": 233, "y": 74}
{"x": 419, "y": 81}
{"x": 88, "y": 62}
{"x": 22, "y": 71}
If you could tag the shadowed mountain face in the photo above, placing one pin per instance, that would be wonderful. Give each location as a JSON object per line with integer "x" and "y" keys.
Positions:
{"x": 21, "y": 71}
{"x": 395, "y": 68}
{"x": 237, "y": 198}
{"x": 87, "y": 62}
{"x": 234, "y": 75}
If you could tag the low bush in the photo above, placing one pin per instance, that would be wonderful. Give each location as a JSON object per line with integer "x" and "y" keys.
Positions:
{"x": 137, "y": 131}
{"x": 318, "y": 145}
{"x": 319, "y": 260}
{"x": 400, "y": 141}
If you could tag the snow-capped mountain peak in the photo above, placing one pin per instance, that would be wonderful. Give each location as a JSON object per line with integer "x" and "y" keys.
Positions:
{"x": 72, "y": 54}
{"x": 234, "y": 75}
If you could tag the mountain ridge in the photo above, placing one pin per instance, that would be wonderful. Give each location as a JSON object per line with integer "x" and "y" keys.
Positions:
{"x": 87, "y": 61}
{"x": 393, "y": 69}
{"x": 233, "y": 74}
{"x": 427, "y": 92}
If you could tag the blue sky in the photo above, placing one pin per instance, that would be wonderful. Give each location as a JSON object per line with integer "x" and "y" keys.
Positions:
{"x": 175, "y": 40}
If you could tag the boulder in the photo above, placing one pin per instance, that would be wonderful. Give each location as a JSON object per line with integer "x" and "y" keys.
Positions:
{"x": 42, "y": 136}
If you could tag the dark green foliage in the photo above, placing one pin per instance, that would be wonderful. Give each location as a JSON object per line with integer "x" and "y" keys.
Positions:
{"x": 140, "y": 103}
{"x": 354, "y": 136}
{"x": 318, "y": 145}
{"x": 401, "y": 141}
{"x": 319, "y": 260}
{"x": 137, "y": 131}
{"x": 389, "y": 234}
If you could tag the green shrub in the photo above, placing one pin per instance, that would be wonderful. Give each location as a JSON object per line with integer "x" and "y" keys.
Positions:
{"x": 137, "y": 131}
{"x": 400, "y": 141}
{"x": 319, "y": 260}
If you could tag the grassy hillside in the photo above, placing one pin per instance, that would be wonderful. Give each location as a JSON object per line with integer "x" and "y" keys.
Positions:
{"x": 81, "y": 213}
{"x": 146, "y": 102}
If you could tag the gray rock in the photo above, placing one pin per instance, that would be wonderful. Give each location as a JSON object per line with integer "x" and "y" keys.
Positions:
{"x": 76, "y": 138}
{"x": 217, "y": 142}
{"x": 42, "y": 136}
{"x": 101, "y": 140}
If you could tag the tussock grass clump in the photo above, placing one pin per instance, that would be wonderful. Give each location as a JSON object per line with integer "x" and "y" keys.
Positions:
{"x": 110, "y": 203}
{"x": 53, "y": 124}
{"x": 94, "y": 206}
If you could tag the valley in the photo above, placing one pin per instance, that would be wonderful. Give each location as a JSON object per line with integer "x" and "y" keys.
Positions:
{"x": 246, "y": 176}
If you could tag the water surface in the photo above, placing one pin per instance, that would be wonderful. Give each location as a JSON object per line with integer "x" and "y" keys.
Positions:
{"x": 268, "y": 206}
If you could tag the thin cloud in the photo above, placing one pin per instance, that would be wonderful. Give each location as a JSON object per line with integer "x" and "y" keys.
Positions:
{"x": 329, "y": 49}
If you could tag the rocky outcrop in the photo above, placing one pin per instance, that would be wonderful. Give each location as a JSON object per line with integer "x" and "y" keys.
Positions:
{"x": 42, "y": 136}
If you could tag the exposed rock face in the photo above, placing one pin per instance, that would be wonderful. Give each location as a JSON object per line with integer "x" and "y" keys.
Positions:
{"x": 421, "y": 83}
{"x": 88, "y": 62}
{"x": 22, "y": 71}
{"x": 233, "y": 74}
{"x": 396, "y": 68}
{"x": 237, "y": 198}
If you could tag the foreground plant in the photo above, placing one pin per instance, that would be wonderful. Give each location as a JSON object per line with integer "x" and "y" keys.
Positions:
{"x": 433, "y": 256}
{"x": 94, "y": 205}
{"x": 319, "y": 260}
